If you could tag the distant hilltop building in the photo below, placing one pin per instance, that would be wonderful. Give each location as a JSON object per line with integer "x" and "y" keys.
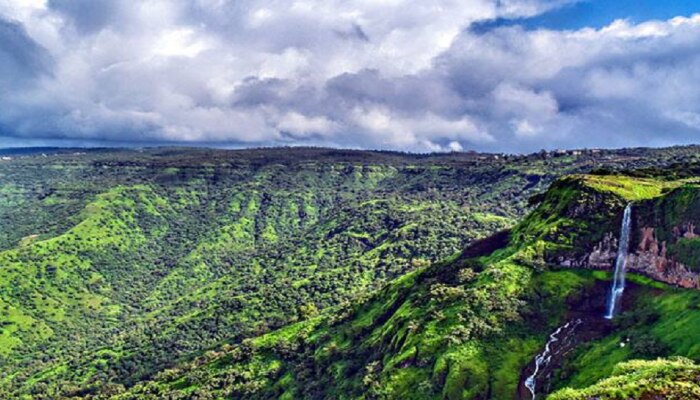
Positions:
{"x": 558, "y": 153}
{"x": 7, "y": 158}
{"x": 561, "y": 152}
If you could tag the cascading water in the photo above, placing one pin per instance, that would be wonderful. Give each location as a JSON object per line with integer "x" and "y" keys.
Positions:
{"x": 545, "y": 357}
{"x": 619, "y": 279}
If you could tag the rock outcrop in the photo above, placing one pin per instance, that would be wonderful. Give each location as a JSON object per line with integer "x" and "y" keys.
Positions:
{"x": 577, "y": 223}
{"x": 649, "y": 257}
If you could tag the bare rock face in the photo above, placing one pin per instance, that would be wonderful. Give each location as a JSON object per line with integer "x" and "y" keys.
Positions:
{"x": 649, "y": 257}
{"x": 601, "y": 257}
{"x": 664, "y": 235}
{"x": 604, "y": 253}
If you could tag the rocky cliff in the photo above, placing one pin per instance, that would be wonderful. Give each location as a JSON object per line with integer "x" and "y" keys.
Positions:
{"x": 665, "y": 241}
{"x": 649, "y": 257}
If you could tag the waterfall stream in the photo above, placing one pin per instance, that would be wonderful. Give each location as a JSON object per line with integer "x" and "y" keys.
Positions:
{"x": 618, "y": 285}
{"x": 545, "y": 356}
{"x": 552, "y": 348}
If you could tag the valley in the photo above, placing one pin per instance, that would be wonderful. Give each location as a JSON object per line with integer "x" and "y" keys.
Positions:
{"x": 320, "y": 273}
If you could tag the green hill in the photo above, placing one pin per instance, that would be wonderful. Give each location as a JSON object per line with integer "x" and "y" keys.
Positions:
{"x": 316, "y": 273}
{"x": 468, "y": 327}
{"x": 661, "y": 379}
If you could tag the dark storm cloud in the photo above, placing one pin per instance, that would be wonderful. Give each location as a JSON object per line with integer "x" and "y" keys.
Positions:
{"x": 21, "y": 58}
{"x": 392, "y": 74}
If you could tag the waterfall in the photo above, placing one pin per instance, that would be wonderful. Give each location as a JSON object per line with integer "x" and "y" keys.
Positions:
{"x": 619, "y": 279}
{"x": 545, "y": 357}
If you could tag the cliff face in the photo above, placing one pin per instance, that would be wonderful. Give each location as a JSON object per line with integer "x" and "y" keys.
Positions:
{"x": 649, "y": 257}
{"x": 665, "y": 241}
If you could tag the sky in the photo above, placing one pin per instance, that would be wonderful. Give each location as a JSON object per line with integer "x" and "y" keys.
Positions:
{"x": 421, "y": 76}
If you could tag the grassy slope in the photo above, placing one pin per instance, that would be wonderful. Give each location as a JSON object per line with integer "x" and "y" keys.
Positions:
{"x": 52, "y": 282}
{"x": 630, "y": 188}
{"x": 676, "y": 379}
{"x": 417, "y": 211}
{"x": 349, "y": 244}
{"x": 662, "y": 321}
{"x": 462, "y": 329}
{"x": 389, "y": 346}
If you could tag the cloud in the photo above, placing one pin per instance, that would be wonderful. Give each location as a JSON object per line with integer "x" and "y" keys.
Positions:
{"x": 392, "y": 74}
{"x": 302, "y": 126}
{"x": 428, "y": 131}
{"x": 622, "y": 85}
{"x": 87, "y": 16}
{"x": 21, "y": 58}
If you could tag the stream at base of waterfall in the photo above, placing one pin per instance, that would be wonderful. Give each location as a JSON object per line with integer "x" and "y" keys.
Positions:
{"x": 563, "y": 339}
{"x": 545, "y": 357}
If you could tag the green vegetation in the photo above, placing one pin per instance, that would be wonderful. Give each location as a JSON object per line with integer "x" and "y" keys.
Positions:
{"x": 444, "y": 332}
{"x": 668, "y": 379}
{"x": 303, "y": 273}
{"x": 629, "y": 188}
{"x": 662, "y": 321}
{"x": 459, "y": 329}
{"x": 675, "y": 214}
{"x": 570, "y": 217}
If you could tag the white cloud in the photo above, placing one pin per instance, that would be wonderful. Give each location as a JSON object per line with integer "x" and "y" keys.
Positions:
{"x": 387, "y": 129}
{"x": 304, "y": 126}
{"x": 179, "y": 42}
{"x": 390, "y": 74}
